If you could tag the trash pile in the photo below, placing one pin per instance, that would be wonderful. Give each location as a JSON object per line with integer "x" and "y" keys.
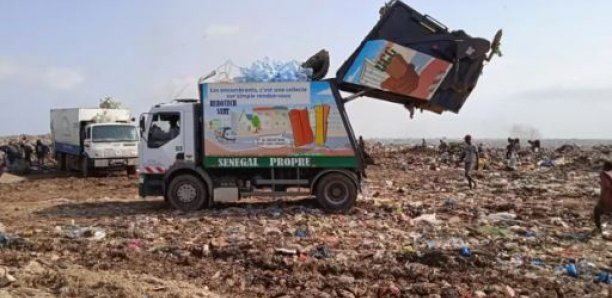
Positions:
{"x": 268, "y": 70}
{"x": 417, "y": 230}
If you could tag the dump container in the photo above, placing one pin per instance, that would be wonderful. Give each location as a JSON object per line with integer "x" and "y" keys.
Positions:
{"x": 410, "y": 58}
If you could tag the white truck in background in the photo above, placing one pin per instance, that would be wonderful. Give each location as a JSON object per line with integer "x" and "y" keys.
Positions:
{"x": 87, "y": 139}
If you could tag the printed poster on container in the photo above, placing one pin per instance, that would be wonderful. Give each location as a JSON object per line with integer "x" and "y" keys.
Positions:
{"x": 387, "y": 66}
{"x": 273, "y": 119}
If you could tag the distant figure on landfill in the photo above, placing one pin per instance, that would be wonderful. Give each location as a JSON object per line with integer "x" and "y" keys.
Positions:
{"x": 27, "y": 150}
{"x": 535, "y": 145}
{"x": 509, "y": 148}
{"x": 443, "y": 149}
{"x": 2, "y": 160}
{"x": 604, "y": 205}
{"x": 470, "y": 158}
{"x": 424, "y": 144}
{"x": 512, "y": 154}
{"x": 42, "y": 151}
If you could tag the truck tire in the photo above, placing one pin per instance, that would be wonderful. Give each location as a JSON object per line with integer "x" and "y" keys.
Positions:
{"x": 84, "y": 167}
{"x": 336, "y": 193}
{"x": 187, "y": 192}
{"x": 131, "y": 170}
{"x": 61, "y": 161}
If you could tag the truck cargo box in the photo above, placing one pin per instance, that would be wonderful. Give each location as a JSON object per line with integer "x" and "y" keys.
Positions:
{"x": 410, "y": 58}
{"x": 66, "y": 124}
{"x": 292, "y": 124}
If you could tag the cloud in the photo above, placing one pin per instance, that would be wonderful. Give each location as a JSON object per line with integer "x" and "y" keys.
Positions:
{"x": 7, "y": 69}
{"x": 62, "y": 78}
{"x": 564, "y": 93}
{"x": 221, "y": 30}
{"x": 54, "y": 77}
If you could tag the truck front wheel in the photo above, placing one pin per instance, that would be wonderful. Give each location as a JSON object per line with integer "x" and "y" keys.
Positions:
{"x": 84, "y": 167}
{"x": 187, "y": 193}
{"x": 336, "y": 193}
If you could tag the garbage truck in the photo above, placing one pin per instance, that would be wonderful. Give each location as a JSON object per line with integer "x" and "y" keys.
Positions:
{"x": 280, "y": 139}
{"x": 88, "y": 139}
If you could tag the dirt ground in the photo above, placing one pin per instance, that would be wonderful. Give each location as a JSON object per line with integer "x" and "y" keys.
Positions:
{"x": 404, "y": 238}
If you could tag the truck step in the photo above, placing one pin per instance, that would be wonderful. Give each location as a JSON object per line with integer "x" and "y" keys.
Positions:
{"x": 282, "y": 181}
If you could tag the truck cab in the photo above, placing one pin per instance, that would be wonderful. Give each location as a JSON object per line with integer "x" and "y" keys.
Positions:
{"x": 110, "y": 145}
{"x": 87, "y": 139}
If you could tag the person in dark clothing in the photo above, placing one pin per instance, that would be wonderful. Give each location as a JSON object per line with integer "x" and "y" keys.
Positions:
{"x": 27, "y": 151}
{"x": 42, "y": 151}
{"x": 509, "y": 148}
{"x": 604, "y": 204}
{"x": 535, "y": 145}
{"x": 2, "y": 160}
{"x": 470, "y": 159}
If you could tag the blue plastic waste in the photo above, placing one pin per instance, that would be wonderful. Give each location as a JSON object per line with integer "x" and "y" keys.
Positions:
{"x": 301, "y": 233}
{"x": 570, "y": 269}
{"x": 4, "y": 240}
{"x": 267, "y": 70}
{"x": 604, "y": 277}
{"x": 320, "y": 252}
{"x": 537, "y": 262}
{"x": 465, "y": 251}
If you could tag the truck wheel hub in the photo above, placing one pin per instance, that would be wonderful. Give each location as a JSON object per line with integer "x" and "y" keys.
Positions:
{"x": 337, "y": 192}
{"x": 186, "y": 193}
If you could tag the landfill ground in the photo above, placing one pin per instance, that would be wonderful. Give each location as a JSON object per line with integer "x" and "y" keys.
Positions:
{"x": 518, "y": 231}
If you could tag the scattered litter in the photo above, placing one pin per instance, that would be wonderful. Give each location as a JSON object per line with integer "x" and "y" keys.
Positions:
{"x": 301, "y": 233}
{"x": 571, "y": 270}
{"x": 428, "y": 218}
{"x": 465, "y": 251}
{"x": 92, "y": 233}
{"x": 320, "y": 252}
{"x": 502, "y": 216}
{"x": 604, "y": 277}
{"x": 286, "y": 251}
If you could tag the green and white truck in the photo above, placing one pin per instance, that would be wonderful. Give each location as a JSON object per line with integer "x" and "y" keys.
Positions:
{"x": 294, "y": 138}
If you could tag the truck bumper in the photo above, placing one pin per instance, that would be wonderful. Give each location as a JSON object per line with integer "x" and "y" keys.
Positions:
{"x": 114, "y": 162}
{"x": 150, "y": 185}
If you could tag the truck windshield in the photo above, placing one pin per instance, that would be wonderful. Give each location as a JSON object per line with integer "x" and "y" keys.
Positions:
{"x": 114, "y": 133}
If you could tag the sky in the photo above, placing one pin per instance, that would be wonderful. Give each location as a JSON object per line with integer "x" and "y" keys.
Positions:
{"x": 554, "y": 79}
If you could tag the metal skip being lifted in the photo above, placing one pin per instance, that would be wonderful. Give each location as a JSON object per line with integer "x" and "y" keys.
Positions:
{"x": 412, "y": 59}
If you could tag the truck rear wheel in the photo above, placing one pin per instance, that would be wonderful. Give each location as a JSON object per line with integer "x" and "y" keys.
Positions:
{"x": 187, "y": 193}
{"x": 61, "y": 160}
{"x": 336, "y": 193}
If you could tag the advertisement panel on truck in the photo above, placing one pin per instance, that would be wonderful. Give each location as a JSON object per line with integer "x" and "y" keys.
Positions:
{"x": 296, "y": 124}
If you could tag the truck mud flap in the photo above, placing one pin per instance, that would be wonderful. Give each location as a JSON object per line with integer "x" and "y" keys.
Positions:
{"x": 412, "y": 59}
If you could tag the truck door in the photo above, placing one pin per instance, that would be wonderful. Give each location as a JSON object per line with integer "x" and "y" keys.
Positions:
{"x": 164, "y": 142}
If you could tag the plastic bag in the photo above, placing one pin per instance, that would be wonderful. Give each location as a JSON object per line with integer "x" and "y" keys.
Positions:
{"x": 267, "y": 70}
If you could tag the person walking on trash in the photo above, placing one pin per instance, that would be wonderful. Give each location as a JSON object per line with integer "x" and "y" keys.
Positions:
{"x": 604, "y": 205}
{"x": 2, "y": 161}
{"x": 470, "y": 159}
